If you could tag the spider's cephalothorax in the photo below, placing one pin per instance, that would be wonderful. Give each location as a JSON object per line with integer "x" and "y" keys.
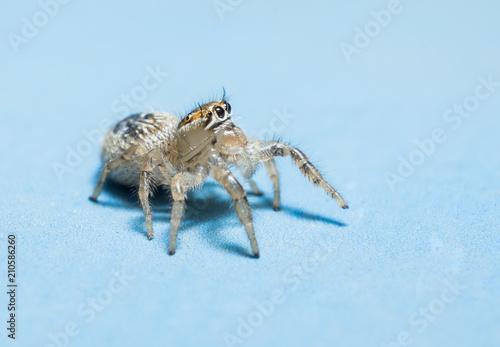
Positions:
{"x": 155, "y": 148}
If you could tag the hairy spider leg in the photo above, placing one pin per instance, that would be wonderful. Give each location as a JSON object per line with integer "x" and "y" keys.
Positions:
{"x": 221, "y": 173}
{"x": 272, "y": 171}
{"x": 272, "y": 149}
{"x": 181, "y": 183}
{"x": 110, "y": 166}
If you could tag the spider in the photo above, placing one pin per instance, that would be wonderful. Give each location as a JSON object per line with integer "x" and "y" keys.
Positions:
{"x": 156, "y": 148}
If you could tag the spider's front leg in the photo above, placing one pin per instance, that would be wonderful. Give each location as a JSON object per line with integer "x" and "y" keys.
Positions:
{"x": 180, "y": 184}
{"x": 220, "y": 171}
{"x": 271, "y": 149}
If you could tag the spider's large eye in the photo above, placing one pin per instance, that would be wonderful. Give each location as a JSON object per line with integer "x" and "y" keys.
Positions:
{"x": 228, "y": 107}
{"x": 220, "y": 112}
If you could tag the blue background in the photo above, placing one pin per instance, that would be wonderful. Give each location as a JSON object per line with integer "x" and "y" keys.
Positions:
{"x": 389, "y": 256}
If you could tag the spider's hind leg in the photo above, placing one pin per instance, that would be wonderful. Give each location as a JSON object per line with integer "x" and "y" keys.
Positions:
{"x": 110, "y": 166}
{"x": 145, "y": 189}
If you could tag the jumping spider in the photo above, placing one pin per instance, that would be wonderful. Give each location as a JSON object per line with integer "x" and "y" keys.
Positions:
{"x": 155, "y": 148}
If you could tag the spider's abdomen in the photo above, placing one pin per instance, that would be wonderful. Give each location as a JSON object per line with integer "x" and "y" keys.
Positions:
{"x": 149, "y": 130}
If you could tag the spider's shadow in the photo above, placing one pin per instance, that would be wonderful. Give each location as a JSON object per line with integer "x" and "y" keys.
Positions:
{"x": 207, "y": 206}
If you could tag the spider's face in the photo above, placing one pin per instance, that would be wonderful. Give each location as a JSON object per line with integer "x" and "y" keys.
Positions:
{"x": 210, "y": 125}
{"x": 210, "y": 116}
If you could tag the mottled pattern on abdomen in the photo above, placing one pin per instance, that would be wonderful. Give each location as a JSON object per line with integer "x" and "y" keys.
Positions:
{"x": 149, "y": 130}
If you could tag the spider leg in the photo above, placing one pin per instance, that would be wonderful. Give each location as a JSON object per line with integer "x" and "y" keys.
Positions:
{"x": 247, "y": 174}
{"x": 110, "y": 166}
{"x": 145, "y": 188}
{"x": 222, "y": 174}
{"x": 272, "y": 171}
{"x": 180, "y": 184}
{"x": 255, "y": 189}
{"x": 271, "y": 149}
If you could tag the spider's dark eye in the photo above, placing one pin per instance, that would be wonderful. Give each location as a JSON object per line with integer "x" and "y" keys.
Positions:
{"x": 209, "y": 114}
{"x": 228, "y": 108}
{"x": 220, "y": 112}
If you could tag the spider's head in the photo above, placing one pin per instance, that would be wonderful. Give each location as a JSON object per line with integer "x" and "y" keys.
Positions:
{"x": 210, "y": 125}
{"x": 210, "y": 116}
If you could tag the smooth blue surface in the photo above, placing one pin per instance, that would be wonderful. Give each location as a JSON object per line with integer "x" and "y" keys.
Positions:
{"x": 389, "y": 256}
